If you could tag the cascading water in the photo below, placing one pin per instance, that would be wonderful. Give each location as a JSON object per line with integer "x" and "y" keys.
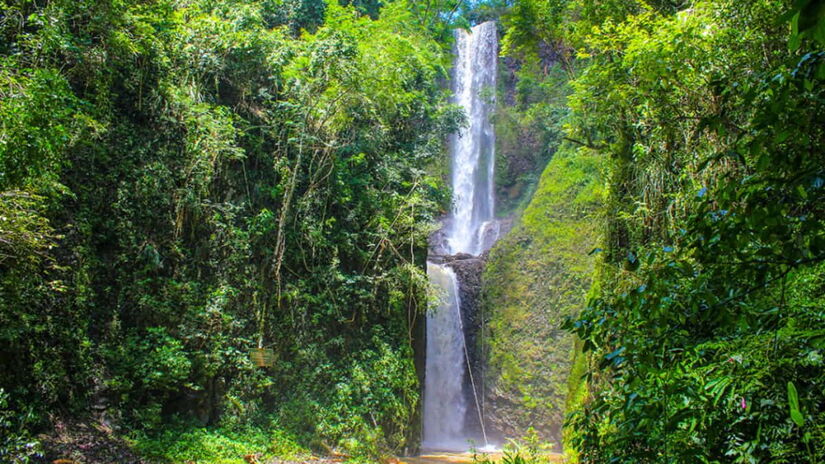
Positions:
{"x": 472, "y": 149}
{"x": 471, "y": 229}
{"x": 444, "y": 403}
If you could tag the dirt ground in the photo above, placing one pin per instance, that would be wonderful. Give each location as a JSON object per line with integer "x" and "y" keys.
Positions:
{"x": 85, "y": 442}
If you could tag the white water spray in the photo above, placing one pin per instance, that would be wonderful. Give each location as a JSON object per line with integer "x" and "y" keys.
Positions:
{"x": 444, "y": 403}
{"x": 471, "y": 229}
{"x": 473, "y": 148}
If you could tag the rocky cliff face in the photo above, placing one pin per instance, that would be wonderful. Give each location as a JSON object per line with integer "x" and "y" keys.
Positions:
{"x": 468, "y": 269}
{"x": 534, "y": 277}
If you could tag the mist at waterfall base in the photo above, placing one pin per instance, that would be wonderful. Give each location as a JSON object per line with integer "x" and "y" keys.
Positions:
{"x": 469, "y": 229}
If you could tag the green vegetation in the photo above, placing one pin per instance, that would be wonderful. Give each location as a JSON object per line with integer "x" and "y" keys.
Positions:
{"x": 707, "y": 300}
{"x": 702, "y": 337}
{"x": 222, "y": 446}
{"x": 182, "y": 182}
{"x": 530, "y": 449}
{"x": 536, "y": 276}
{"x": 531, "y": 103}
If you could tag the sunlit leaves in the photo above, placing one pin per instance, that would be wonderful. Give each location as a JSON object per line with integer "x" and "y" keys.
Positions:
{"x": 712, "y": 223}
{"x": 793, "y": 405}
{"x": 184, "y": 148}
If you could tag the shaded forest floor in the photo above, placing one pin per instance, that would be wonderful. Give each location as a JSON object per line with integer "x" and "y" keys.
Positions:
{"x": 88, "y": 443}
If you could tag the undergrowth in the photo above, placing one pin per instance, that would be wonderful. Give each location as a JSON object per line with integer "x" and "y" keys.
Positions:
{"x": 221, "y": 445}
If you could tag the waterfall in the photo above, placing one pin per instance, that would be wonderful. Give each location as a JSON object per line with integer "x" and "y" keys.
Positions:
{"x": 473, "y": 148}
{"x": 471, "y": 229}
{"x": 444, "y": 403}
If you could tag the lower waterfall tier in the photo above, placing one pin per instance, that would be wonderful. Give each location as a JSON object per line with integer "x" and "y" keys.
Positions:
{"x": 453, "y": 386}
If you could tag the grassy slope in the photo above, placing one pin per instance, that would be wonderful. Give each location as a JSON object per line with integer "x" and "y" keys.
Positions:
{"x": 536, "y": 275}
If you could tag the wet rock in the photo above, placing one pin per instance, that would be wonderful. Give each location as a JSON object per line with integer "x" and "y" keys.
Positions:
{"x": 437, "y": 241}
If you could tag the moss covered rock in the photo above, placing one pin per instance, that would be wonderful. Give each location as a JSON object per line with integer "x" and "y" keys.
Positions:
{"x": 536, "y": 276}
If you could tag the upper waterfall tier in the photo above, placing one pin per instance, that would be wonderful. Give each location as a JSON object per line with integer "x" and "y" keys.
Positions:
{"x": 473, "y": 148}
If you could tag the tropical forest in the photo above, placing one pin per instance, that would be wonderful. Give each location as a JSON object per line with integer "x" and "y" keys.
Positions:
{"x": 412, "y": 231}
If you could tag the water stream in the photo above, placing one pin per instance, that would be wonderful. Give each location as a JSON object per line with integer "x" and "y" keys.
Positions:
{"x": 471, "y": 228}
{"x": 473, "y": 148}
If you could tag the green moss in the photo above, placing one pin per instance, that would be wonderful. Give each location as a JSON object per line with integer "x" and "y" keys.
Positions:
{"x": 536, "y": 276}
{"x": 576, "y": 393}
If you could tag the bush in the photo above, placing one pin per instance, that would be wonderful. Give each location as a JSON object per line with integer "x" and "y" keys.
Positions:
{"x": 16, "y": 445}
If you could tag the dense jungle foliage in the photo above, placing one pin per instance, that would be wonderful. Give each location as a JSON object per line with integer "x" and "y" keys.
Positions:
{"x": 702, "y": 335}
{"x": 183, "y": 181}
{"x": 705, "y": 327}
